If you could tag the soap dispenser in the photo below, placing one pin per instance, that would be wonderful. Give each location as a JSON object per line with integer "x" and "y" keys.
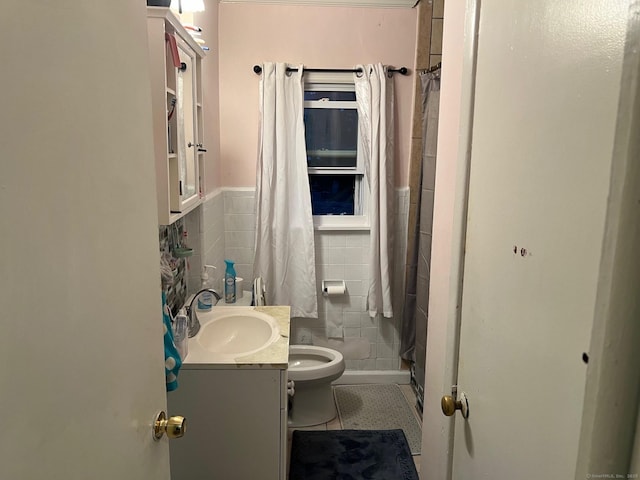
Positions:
{"x": 205, "y": 299}
{"x": 229, "y": 283}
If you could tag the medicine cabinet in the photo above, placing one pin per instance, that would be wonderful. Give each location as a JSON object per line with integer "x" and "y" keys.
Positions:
{"x": 175, "y": 63}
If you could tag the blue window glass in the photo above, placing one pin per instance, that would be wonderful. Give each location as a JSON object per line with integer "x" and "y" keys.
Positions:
{"x": 331, "y": 136}
{"x": 332, "y": 194}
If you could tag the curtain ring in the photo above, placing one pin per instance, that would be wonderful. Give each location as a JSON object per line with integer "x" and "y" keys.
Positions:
{"x": 360, "y": 73}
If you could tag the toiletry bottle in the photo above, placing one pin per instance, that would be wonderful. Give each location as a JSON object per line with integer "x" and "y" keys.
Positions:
{"x": 229, "y": 283}
{"x": 180, "y": 333}
{"x": 205, "y": 300}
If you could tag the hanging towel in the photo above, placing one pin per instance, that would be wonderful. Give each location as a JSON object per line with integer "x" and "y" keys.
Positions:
{"x": 173, "y": 49}
{"x": 172, "y": 361}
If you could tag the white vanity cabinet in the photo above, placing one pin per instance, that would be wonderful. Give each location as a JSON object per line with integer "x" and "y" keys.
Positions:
{"x": 236, "y": 424}
{"x": 236, "y": 409}
{"x": 176, "y": 97}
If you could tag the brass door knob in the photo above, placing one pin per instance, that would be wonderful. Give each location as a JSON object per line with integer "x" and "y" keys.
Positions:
{"x": 174, "y": 427}
{"x": 450, "y": 404}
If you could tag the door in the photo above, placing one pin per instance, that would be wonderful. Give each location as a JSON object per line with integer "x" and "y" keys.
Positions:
{"x": 546, "y": 95}
{"x": 80, "y": 329}
{"x": 187, "y": 131}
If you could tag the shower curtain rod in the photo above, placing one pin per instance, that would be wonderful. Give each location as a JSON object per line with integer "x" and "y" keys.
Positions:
{"x": 402, "y": 70}
{"x": 433, "y": 68}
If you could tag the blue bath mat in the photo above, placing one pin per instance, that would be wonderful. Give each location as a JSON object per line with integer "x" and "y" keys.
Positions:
{"x": 351, "y": 455}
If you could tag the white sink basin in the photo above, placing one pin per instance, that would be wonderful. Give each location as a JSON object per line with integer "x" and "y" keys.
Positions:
{"x": 237, "y": 334}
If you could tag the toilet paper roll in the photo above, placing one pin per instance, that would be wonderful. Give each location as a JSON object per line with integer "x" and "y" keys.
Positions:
{"x": 334, "y": 290}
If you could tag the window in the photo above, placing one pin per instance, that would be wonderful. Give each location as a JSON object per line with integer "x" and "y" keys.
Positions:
{"x": 336, "y": 177}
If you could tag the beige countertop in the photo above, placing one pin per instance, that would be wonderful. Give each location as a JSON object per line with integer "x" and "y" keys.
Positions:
{"x": 274, "y": 356}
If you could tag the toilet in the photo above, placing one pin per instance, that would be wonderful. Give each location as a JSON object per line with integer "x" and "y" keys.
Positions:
{"x": 312, "y": 370}
{"x": 310, "y": 373}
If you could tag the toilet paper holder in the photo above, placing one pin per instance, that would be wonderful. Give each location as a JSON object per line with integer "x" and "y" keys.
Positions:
{"x": 333, "y": 287}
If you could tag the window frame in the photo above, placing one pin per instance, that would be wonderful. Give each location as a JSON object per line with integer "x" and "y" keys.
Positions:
{"x": 336, "y": 82}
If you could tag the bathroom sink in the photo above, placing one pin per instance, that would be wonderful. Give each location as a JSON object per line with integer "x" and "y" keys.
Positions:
{"x": 238, "y": 334}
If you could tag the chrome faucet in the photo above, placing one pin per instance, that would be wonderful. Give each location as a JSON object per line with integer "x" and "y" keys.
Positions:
{"x": 193, "y": 325}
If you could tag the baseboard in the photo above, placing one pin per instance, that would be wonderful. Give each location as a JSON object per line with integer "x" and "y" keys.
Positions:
{"x": 356, "y": 377}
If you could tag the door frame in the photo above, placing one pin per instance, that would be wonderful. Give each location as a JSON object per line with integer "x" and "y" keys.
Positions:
{"x": 615, "y": 314}
{"x": 609, "y": 441}
{"x": 449, "y": 233}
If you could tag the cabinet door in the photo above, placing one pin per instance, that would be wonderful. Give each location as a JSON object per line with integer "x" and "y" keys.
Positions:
{"x": 188, "y": 173}
{"x": 234, "y": 425}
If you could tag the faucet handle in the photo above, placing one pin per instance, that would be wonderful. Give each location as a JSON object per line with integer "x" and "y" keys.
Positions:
{"x": 188, "y": 302}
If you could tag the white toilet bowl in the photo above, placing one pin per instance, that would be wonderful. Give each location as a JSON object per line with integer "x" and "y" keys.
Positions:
{"x": 312, "y": 370}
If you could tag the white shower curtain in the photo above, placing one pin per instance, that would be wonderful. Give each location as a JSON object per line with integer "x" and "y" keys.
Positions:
{"x": 285, "y": 254}
{"x": 374, "y": 98}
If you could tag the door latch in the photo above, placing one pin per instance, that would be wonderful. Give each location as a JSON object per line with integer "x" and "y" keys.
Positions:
{"x": 451, "y": 403}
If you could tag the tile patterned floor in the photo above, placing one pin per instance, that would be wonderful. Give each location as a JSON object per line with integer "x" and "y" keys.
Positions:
{"x": 335, "y": 424}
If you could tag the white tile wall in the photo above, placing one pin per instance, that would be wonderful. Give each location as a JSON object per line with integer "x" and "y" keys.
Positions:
{"x": 228, "y": 231}
{"x": 239, "y": 231}
{"x": 212, "y": 230}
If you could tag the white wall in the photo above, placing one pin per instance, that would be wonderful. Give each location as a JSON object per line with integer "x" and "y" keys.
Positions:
{"x": 228, "y": 232}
